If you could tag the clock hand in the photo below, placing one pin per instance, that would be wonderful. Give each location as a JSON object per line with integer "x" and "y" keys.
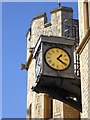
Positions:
{"x": 62, "y": 61}
{"x": 59, "y": 56}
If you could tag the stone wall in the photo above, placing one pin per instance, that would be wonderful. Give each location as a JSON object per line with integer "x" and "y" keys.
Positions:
{"x": 84, "y": 63}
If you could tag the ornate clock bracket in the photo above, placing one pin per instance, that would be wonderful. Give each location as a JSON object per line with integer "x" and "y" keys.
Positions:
{"x": 64, "y": 89}
{"x": 26, "y": 65}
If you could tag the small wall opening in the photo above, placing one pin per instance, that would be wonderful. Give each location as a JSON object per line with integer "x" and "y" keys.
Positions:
{"x": 30, "y": 111}
{"x": 48, "y": 107}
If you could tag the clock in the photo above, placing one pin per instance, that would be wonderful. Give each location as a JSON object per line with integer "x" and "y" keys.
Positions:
{"x": 57, "y": 58}
{"x": 54, "y": 70}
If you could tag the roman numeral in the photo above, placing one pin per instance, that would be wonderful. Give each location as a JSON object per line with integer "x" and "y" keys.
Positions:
{"x": 48, "y": 57}
{"x": 66, "y": 59}
{"x": 49, "y": 53}
{"x": 57, "y": 66}
{"x": 53, "y": 64}
{"x": 53, "y": 51}
{"x": 49, "y": 61}
{"x": 57, "y": 50}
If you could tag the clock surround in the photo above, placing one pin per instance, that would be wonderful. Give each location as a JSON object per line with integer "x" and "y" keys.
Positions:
{"x": 62, "y": 85}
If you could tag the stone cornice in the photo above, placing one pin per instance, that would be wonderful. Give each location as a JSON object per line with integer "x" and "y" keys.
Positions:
{"x": 84, "y": 42}
{"x": 62, "y": 8}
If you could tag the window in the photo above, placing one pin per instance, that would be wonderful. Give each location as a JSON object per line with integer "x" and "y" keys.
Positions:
{"x": 86, "y": 16}
{"x": 48, "y": 107}
{"x": 51, "y": 101}
{"x": 89, "y": 11}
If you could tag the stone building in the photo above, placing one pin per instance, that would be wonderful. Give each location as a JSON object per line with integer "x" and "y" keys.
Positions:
{"x": 61, "y": 24}
{"x": 84, "y": 52}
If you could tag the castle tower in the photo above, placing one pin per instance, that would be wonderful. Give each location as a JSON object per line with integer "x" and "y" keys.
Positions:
{"x": 84, "y": 52}
{"x": 41, "y": 105}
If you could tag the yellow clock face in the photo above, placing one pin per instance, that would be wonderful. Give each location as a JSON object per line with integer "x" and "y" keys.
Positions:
{"x": 57, "y": 58}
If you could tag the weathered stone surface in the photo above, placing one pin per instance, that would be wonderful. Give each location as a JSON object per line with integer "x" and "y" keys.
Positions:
{"x": 84, "y": 63}
{"x": 58, "y": 109}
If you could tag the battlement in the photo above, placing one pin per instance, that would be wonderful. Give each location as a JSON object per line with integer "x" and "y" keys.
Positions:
{"x": 39, "y": 16}
{"x": 56, "y": 10}
{"x": 40, "y": 25}
{"x": 55, "y": 27}
{"x": 55, "y": 17}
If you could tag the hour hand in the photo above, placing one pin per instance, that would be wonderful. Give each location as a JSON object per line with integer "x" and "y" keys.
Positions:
{"x": 58, "y": 58}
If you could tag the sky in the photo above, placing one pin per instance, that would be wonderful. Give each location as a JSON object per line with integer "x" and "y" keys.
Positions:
{"x": 16, "y": 18}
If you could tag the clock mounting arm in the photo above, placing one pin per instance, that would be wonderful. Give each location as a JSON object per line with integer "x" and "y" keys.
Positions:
{"x": 30, "y": 58}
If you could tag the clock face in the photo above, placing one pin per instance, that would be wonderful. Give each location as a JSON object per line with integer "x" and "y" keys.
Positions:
{"x": 57, "y": 58}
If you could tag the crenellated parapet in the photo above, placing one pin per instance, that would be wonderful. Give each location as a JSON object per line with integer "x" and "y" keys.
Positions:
{"x": 55, "y": 27}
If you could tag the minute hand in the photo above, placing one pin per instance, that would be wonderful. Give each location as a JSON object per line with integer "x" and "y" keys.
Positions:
{"x": 62, "y": 62}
